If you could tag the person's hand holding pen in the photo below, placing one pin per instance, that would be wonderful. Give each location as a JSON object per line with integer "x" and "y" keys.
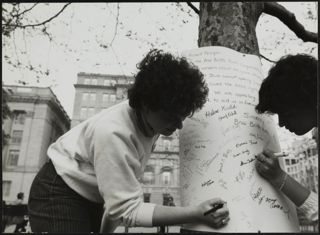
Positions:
{"x": 268, "y": 167}
{"x": 214, "y": 212}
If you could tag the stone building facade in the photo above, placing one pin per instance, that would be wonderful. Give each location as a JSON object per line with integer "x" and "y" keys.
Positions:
{"x": 38, "y": 120}
{"x": 95, "y": 92}
{"x": 302, "y": 163}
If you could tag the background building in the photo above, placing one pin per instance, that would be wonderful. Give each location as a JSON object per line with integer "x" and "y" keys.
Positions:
{"x": 38, "y": 119}
{"x": 302, "y": 165}
{"x": 95, "y": 92}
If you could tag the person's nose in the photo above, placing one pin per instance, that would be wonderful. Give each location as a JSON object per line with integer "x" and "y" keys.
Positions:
{"x": 180, "y": 125}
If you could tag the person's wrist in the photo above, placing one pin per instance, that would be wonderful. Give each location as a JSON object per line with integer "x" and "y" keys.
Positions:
{"x": 278, "y": 181}
{"x": 283, "y": 183}
{"x": 194, "y": 213}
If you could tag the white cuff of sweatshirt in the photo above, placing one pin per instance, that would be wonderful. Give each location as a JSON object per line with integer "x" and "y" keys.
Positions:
{"x": 145, "y": 214}
{"x": 310, "y": 207}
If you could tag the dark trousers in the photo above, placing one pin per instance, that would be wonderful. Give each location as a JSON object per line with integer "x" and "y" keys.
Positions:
{"x": 54, "y": 207}
{"x": 21, "y": 227}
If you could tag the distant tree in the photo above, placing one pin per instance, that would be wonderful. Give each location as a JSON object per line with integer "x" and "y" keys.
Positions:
{"x": 15, "y": 16}
{"x": 229, "y": 24}
{"x": 6, "y": 113}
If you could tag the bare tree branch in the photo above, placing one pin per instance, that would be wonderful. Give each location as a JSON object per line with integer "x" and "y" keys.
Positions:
{"x": 267, "y": 58}
{"x": 25, "y": 11}
{"x": 116, "y": 26}
{"x": 289, "y": 19}
{"x": 193, "y": 7}
{"x": 42, "y": 23}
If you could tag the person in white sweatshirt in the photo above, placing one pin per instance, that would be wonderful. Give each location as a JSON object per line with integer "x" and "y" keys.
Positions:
{"x": 290, "y": 90}
{"x": 92, "y": 181}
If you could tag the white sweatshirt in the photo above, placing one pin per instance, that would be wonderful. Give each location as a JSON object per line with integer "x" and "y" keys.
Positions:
{"x": 310, "y": 207}
{"x": 103, "y": 159}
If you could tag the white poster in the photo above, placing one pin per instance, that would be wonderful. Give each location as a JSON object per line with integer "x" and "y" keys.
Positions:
{"x": 218, "y": 146}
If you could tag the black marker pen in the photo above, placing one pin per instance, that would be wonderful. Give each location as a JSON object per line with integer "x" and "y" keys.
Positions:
{"x": 214, "y": 208}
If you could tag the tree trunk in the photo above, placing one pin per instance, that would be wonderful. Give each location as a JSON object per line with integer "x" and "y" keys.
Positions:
{"x": 230, "y": 24}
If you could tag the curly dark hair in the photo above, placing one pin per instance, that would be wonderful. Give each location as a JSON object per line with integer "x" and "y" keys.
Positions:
{"x": 290, "y": 85}
{"x": 168, "y": 83}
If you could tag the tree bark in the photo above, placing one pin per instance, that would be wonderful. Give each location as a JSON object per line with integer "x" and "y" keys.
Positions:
{"x": 230, "y": 24}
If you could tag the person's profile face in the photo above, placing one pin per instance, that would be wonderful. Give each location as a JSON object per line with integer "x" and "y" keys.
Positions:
{"x": 165, "y": 123}
{"x": 298, "y": 121}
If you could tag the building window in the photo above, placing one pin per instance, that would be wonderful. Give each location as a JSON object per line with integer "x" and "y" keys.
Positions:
{"x": 166, "y": 176}
{"x": 6, "y": 186}
{"x": 85, "y": 96}
{"x": 148, "y": 177}
{"x": 83, "y": 113}
{"x": 105, "y": 97}
{"x": 167, "y": 145}
{"x": 109, "y": 97}
{"x": 106, "y": 82}
{"x": 87, "y": 81}
{"x": 16, "y": 137}
{"x": 146, "y": 197}
{"x": 112, "y": 97}
{"x": 93, "y": 97}
{"x": 13, "y": 158}
{"x": 94, "y": 81}
{"x": 167, "y": 199}
{"x": 90, "y": 112}
{"x": 19, "y": 117}
{"x": 113, "y": 82}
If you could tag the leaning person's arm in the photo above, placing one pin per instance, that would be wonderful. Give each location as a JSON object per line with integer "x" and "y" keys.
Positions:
{"x": 117, "y": 164}
{"x": 267, "y": 165}
{"x": 295, "y": 191}
{"x": 167, "y": 215}
{"x": 305, "y": 200}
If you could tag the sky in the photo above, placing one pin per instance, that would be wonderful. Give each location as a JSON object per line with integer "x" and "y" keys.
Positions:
{"x": 111, "y": 38}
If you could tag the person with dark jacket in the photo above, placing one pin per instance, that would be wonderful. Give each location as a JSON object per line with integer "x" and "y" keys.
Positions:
{"x": 290, "y": 90}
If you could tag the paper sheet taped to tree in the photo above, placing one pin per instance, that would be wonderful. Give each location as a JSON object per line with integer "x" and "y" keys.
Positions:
{"x": 218, "y": 146}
